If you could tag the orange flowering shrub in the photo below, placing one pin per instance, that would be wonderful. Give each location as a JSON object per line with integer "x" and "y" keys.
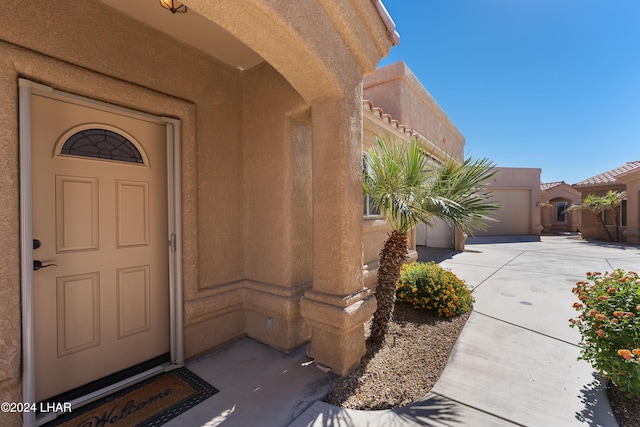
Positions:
{"x": 609, "y": 322}
{"x": 427, "y": 286}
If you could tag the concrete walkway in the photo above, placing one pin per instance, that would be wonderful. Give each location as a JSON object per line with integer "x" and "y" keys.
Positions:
{"x": 515, "y": 362}
{"x": 259, "y": 386}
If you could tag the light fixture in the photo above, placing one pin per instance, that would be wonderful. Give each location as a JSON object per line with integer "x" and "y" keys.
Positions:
{"x": 173, "y": 6}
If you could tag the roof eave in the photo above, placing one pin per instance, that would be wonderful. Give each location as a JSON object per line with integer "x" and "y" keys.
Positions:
{"x": 392, "y": 32}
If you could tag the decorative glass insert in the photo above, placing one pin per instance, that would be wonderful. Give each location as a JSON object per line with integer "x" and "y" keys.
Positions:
{"x": 102, "y": 144}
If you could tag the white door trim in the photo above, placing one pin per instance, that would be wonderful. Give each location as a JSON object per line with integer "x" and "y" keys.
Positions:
{"x": 174, "y": 240}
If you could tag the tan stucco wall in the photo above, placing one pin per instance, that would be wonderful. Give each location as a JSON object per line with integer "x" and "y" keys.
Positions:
{"x": 400, "y": 94}
{"x": 10, "y": 339}
{"x": 278, "y": 210}
{"x": 518, "y": 191}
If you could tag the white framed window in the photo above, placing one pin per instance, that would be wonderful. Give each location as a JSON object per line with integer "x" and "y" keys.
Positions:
{"x": 368, "y": 208}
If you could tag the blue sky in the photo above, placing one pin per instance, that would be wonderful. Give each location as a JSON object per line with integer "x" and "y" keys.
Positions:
{"x": 550, "y": 84}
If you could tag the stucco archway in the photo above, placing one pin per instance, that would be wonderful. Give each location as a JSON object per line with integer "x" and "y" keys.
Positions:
{"x": 314, "y": 45}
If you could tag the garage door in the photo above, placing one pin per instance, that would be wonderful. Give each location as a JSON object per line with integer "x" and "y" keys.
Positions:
{"x": 437, "y": 234}
{"x": 514, "y": 216}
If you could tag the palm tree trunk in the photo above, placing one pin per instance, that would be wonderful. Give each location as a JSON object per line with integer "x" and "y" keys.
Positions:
{"x": 393, "y": 254}
{"x": 602, "y": 224}
{"x": 614, "y": 214}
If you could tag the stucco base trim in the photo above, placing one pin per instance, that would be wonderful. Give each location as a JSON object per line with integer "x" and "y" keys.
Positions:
{"x": 263, "y": 311}
{"x": 214, "y": 332}
{"x": 229, "y": 297}
{"x": 338, "y": 327}
{"x": 273, "y": 315}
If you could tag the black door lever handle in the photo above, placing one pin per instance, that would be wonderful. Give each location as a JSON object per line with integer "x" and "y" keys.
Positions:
{"x": 37, "y": 265}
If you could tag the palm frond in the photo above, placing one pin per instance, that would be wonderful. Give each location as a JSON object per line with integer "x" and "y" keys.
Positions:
{"x": 407, "y": 188}
{"x": 464, "y": 188}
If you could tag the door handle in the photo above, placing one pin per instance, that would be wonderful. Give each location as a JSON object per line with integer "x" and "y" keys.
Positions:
{"x": 37, "y": 265}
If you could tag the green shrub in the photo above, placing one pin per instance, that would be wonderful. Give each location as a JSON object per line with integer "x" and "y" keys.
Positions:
{"x": 609, "y": 322}
{"x": 431, "y": 287}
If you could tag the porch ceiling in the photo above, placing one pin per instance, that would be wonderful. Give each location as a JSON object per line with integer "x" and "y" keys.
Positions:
{"x": 192, "y": 29}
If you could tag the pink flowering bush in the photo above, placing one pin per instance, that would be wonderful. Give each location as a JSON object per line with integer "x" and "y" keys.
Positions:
{"x": 427, "y": 286}
{"x": 609, "y": 322}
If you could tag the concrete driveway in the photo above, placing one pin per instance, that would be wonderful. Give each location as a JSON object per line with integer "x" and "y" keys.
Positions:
{"x": 515, "y": 362}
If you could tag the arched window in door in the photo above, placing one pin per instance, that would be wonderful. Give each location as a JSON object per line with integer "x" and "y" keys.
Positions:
{"x": 102, "y": 144}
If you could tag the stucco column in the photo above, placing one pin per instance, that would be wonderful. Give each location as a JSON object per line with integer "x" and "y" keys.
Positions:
{"x": 545, "y": 215}
{"x": 459, "y": 240}
{"x": 338, "y": 304}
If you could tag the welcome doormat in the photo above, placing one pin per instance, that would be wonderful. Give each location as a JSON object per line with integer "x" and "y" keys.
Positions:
{"x": 152, "y": 402}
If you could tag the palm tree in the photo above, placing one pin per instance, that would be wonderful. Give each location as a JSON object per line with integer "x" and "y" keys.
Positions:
{"x": 595, "y": 205}
{"x": 611, "y": 202}
{"x": 407, "y": 188}
{"x": 598, "y": 204}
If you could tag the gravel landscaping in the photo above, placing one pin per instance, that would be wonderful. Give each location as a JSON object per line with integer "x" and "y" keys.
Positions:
{"x": 405, "y": 369}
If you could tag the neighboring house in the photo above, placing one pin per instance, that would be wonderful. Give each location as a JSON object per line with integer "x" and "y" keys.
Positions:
{"x": 623, "y": 178}
{"x": 397, "y": 96}
{"x": 194, "y": 177}
{"x": 556, "y": 198}
{"x": 517, "y": 190}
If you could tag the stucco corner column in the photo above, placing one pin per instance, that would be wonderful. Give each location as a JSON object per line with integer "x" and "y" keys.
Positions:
{"x": 338, "y": 327}
{"x": 338, "y": 305}
{"x": 459, "y": 240}
{"x": 536, "y": 229}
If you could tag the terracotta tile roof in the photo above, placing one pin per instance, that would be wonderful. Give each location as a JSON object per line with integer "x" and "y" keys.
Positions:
{"x": 389, "y": 121}
{"x": 386, "y": 118}
{"x": 549, "y": 185}
{"x": 609, "y": 177}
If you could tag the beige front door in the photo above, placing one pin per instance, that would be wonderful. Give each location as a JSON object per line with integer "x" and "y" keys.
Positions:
{"x": 100, "y": 213}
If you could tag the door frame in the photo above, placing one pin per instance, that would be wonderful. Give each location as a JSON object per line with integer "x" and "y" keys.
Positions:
{"x": 174, "y": 247}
